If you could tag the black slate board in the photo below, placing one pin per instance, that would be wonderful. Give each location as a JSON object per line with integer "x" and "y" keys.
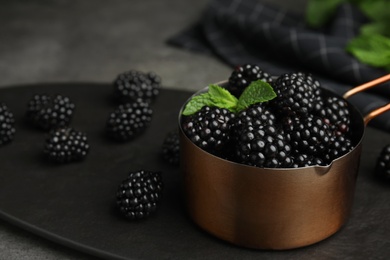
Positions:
{"x": 74, "y": 204}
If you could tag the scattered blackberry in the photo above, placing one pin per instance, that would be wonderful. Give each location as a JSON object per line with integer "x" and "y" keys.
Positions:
{"x": 383, "y": 163}
{"x": 7, "y": 125}
{"x": 296, "y": 94}
{"x": 209, "y": 129}
{"x": 171, "y": 148}
{"x": 242, "y": 76}
{"x": 139, "y": 194}
{"x": 308, "y": 135}
{"x": 128, "y": 120}
{"x": 66, "y": 145}
{"x": 263, "y": 147}
{"x": 131, "y": 85}
{"x": 47, "y": 113}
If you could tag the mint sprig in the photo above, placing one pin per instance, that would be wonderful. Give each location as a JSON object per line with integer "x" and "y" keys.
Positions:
{"x": 258, "y": 91}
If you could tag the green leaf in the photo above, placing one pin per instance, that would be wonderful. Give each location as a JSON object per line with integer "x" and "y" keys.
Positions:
{"x": 258, "y": 91}
{"x": 376, "y": 28}
{"x": 215, "y": 96}
{"x": 376, "y": 10}
{"x": 318, "y": 12}
{"x": 222, "y": 97}
{"x": 372, "y": 49}
{"x": 196, "y": 103}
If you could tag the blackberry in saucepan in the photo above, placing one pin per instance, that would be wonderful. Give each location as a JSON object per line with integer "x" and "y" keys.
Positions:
{"x": 47, "y": 112}
{"x": 7, "y": 125}
{"x": 305, "y": 160}
{"x": 133, "y": 84}
{"x": 308, "y": 135}
{"x": 263, "y": 146}
{"x": 335, "y": 113}
{"x": 340, "y": 145}
{"x": 255, "y": 115}
{"x": 383, "y": 163}
{"x": 296, "y": 95}
{"x": 242, "y": 76}
{"x": 209, "y": 128}
{"x": 129, "y": 120}
{"x": 66, "y": 145}
{"x": 139, "y": 194}
{"x": 171, "y": 148}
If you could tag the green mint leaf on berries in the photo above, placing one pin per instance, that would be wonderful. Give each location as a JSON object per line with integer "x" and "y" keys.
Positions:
{"x": 216, "y": 96}
{"x": 222, "y": 97}
{"x": 258, "y": 91}
{"x": 196, "y": 103}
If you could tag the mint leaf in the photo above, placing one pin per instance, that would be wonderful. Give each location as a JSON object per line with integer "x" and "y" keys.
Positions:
{"x": 258, "y": 91}
{"x": 196, "y": 103}
{"x": 318, "y": 12}
{"x": 215, "y": 96}
{"x": 371, "y": 49}
{"x": 377, "y": 10}
{"x": 222, "y": 98}
{"x": 376, "y": 28}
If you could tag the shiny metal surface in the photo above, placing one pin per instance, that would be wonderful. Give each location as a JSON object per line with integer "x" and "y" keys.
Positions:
{"x": 270, "y": 208}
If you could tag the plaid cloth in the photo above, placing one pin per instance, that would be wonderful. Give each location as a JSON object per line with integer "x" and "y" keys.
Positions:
{"x": 250, "y": 31}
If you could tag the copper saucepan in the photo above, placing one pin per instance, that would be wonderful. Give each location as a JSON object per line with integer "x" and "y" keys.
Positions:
{"x": 268, "y": 208}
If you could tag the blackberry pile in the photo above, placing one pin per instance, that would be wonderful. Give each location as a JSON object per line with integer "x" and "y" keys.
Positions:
{"x": 138, "y": 196}
{"x": 47, "y": 112}
{"x": 66, "y": 145}
{"x": 133, "y": 84}
{"x": 302, "y": 126}
{"x": 7, "y": 125}
{"x": 129, "y": 120}
{"x": 242, "y": 76}
{"x": 210, "y": 129}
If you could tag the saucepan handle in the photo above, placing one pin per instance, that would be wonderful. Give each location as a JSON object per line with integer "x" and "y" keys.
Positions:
{"x": 368, "y": 85}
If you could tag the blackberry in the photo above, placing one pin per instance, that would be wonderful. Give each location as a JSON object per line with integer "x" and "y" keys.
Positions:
{"x": 133, "y": 84}
{"x": 171, "y": 148}
{"x": 339, "y": 145}
{"x": 209, "y": 129}
{"x": 296, "y": 94}
{"x": 335, "y": 112}
{"x": 305, "y": 160}
{"x": 66, "y": 145}
{"x": 383, "y": 163}
{"x": 308, "y": 135}
{"x": 7, "y": 125}
{"x": 129, "y": 120}
{"x": 47, "y": 112}
{"x": 264, "y": 146}
{"x": 242, "y": 76}
{"x": 255, "y": 115}
{"x": 139, "y": 194}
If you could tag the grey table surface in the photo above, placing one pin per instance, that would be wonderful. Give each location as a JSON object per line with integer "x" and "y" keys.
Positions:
{"x": 93, "y": 41}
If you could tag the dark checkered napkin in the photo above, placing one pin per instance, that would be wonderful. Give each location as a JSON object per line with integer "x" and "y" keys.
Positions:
{"x": 250, "y": 31}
